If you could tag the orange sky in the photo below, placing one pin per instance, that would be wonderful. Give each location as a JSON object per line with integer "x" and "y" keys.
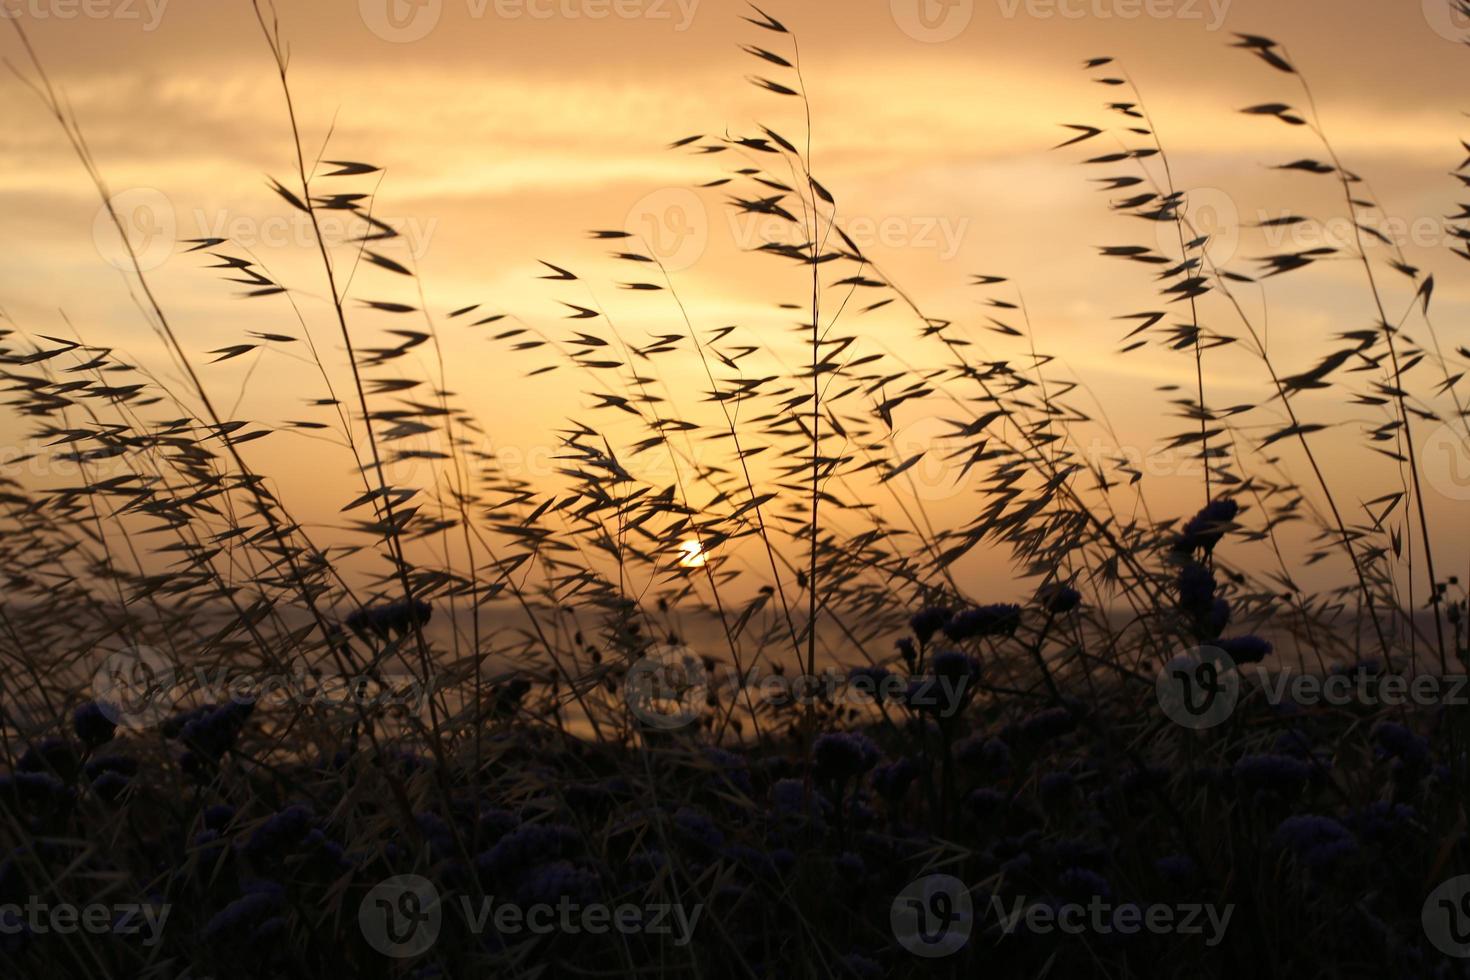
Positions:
{"x": 510, "y": 128}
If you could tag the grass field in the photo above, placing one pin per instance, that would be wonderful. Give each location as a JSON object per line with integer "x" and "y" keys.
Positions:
{"x": 741, "y": 713}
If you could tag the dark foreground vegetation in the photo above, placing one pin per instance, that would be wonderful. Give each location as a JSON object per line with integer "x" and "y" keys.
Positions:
{"x": 490, "y": 752}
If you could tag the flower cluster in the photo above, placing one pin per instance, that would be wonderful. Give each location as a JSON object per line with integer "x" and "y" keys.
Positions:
{"x": 1204, "y": 530}
{"x": 389, "y": 619}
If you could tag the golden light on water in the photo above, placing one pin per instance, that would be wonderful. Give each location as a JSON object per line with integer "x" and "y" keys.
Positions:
{"x": 694, "y": 555}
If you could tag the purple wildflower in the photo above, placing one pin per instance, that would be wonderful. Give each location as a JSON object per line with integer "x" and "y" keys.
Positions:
{"x": 869, "y": 681}
{"x": 123, "y": 765}
{"x": 851, "y": 867}
{"x": 1397, "y": 742}
{"x": 786, "y": 794}
{"x": 645, "y": 865}
{"x": 1219, "y": 617}
{"x": 437, "y": 834}
{"x": 279, "y": 832}
{"x": 1047, "y": 724}
{"x": 843, "y": 755}
{"x": 217, "y": 816}
{"x": 51, "y": 755}
{"x": 1205, "y": 529}
{"x": 237, "y": 919}
{"x": 986, "y": 753}
{"x": 1320, "y": 842}
{"x": 1196, "y": 585}
{"x": 110, "y": 786}
{"x": 1245, "y": 649}
{"x": 892, "y": 779}
{"x": 1057, "y": 598}
{"x": 212, "y": 731}
{"x": 1178, "y": 869}
{"x": 997, "y": 619}
{"x": 390, "y": 619}
{"x": 1295, "y": 742}
{"x": 527, "y": 845}
{"x": 983, "y": 803}
{"x": 926, "y": 622}
{"x": 1382, "y": 822}
{"x": 552, "y": 882}
{"x": 954, "y": 664}
{"x": 697, "y": 828}
{"x": 1055, "y": 788}
{"x": 860, "y": 967}
{"x": 92, "y": 725}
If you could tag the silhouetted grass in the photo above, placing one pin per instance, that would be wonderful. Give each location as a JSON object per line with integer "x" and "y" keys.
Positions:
{"x": 531, "y": 723}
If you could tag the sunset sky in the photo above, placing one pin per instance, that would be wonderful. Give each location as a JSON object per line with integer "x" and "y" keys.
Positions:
{"x": 509, "y": 129}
